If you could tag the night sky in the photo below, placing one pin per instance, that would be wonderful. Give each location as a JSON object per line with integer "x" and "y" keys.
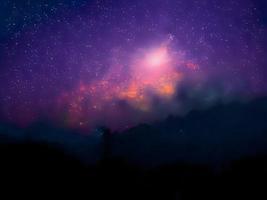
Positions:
{"x": 82, "y": 63}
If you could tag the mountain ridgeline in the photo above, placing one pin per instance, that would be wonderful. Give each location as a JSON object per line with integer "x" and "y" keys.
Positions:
{"x": 214, "y": 136}
{"x": 219, "y": 153}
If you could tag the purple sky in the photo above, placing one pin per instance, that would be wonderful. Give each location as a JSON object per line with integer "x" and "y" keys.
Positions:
{"x": 55, "y": 53}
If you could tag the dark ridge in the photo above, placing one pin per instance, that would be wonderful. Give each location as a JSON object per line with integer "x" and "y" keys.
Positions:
{"x": 218, "y": 153}
{"x": 37, "y": 170}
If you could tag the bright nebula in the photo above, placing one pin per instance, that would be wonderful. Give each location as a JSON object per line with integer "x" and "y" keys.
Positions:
{"x": 151, "y": 74}
{"x": 120, "y": 63}
{"x": 157, "y": 58}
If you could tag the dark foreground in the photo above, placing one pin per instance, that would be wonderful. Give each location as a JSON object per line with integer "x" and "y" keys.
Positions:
{"x": 38, "y": 170}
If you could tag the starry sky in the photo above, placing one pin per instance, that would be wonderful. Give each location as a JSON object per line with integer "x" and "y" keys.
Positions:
{"x": 85, "y": 63}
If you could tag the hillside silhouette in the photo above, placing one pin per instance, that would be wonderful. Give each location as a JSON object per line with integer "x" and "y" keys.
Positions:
{"x": 219, "y": 153}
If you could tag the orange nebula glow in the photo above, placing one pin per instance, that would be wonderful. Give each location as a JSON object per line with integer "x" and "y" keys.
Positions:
{"x": 152, "y": 74}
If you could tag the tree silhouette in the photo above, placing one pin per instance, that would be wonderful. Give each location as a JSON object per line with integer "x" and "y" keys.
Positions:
{"x": 106, "y": 143}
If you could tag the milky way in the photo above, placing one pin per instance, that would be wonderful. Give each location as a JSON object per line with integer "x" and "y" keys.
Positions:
{"x": 82, "y": 64}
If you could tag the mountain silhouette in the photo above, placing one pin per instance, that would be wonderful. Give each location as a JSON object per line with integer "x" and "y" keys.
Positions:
{"x": 217, "y": 153}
